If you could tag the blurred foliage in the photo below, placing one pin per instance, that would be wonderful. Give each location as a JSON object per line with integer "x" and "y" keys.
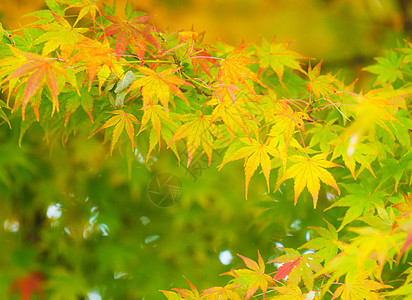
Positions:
{"x": 352, "y": 30}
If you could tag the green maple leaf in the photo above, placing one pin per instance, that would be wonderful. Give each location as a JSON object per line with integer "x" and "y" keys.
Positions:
{"x": 277, "y": 56}
{"x": 54, "y": 33}
{"x": 74, "y": 101}
{"x": 359, "y": 200}
{"x": 395, "y": 168}
{"x": 387, "y": 68}
{"x": 323, "y": 134}
{"x": 327, "y": 245}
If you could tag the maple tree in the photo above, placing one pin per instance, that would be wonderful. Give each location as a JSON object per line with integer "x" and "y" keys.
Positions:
{"x": 263, "y": 104}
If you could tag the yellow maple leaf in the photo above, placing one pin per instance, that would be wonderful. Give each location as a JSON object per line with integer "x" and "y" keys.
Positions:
{"x": 121, "y": 120}
{"x": 320, "y": 84}
{"x": 158, "y": 86}
{"x": 285, "y": 121}
{"x": 255, "y": 276}
{"x": 227, "y": 292}
{"x": 234, "y": 69}
{"x": 277, "y": 56}
{"x": 359, "y": 288}
{"x": 235, "y": 115}
{"x": 309, "y": 172}
{"x": 198, "y": 129}
{"x": 255, "y": 154}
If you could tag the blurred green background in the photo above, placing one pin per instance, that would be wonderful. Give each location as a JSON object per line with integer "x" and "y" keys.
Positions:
{"x": 86, "y": 220}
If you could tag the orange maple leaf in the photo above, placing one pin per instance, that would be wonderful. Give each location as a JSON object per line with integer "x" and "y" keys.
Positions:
{"x": 97, "y": 56}
{"x": 121, "y": 120}
{"x": 309, "y": 172}
{"x": 40, "y": 71}
{"x": 192, "y": 294}
{"x": 158, "y": 86}
{"x": 202, "y": 58}
{"x": 135, "y": 32}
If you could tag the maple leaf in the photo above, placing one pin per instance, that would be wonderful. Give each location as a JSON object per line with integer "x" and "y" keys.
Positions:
{"x": 254, "y": 276}
{"x": 86, "y": 7}
{"x": 40, "y": 71}
{"x": 223, "y": 91}
{"x": 54, "y": 33}
{"x": 405, "y": 290}
{"x": 359, "y": 288}
{"x": 202, "y": 58}
{"x": 290, "y": 292}
{"x": 405, "y": 206}
{"x": 222, "y": 293}
{"x": 285, "y": 269}
{"x": 235, "y": 115}
{"x": 191, "y": 294}
{"x": 285, "y": 121}
{"x": 309, "y": 171}
{"x": 121, "y": 120}
{"x": 159, "y": 85}
{"x": 3, "y": 114}
{"x": 198, "y": 130}
{"x": 97, "y": 56}
{"x": 327, "y": 245}
{"x": 297, "y": 267}
{"x": 407, "y": 228}
{"x": 74, "y": 101}
{"x": 277, "y": 56}
{"x": 320, "y": 84}
{"x": 375, "y": 108}
{"x": 374, "y": 243}
{"x": 387, "y": 68}
{"x": 255, "y": 153}
{"x": 234, "y": 69}
{"x": 394, "y": 169}
{"x": 359, "y": 200}
{"x": 135, "y": 32}
{"x": 323, "y": 134}
{"x": 354, "y": 151}
{"x": 157, "y": 116}
{"x": 171, "y": 295}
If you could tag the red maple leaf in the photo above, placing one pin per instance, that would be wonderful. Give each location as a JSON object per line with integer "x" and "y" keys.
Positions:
{"x": 135, "y": 32}
{"x": 285, "y": 269}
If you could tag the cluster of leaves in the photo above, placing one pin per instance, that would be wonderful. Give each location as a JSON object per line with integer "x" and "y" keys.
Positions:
{"x": 261, "y": 103}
